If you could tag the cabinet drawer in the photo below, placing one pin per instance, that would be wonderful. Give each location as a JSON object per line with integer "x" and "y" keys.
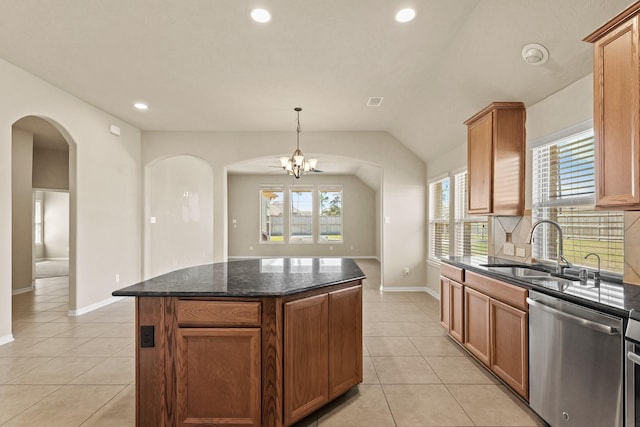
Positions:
{"x": 452, "y": 272}
{"x": 218, "y": 313}
{"x": 505, "y": 292}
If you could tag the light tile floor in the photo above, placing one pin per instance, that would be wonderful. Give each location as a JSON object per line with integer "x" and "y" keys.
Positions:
{"x": 79, "y": 371}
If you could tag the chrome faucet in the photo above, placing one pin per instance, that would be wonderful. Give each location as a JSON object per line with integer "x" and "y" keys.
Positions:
{"x": 596, "y": 275}
{"x": 561, "y": 261}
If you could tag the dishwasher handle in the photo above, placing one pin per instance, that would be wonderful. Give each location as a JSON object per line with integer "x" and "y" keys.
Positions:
{"x": 606, "y": 329}
{"x": 633, "y": 357}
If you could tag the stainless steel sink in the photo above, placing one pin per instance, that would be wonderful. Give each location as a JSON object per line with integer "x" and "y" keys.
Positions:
{"x": 525, "y": 272}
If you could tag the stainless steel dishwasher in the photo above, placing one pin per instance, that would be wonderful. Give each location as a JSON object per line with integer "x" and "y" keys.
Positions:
{"x": 575, "y": 364}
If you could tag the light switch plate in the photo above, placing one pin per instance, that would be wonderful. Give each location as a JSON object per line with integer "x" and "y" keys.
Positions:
{"x": 509, "y": 249}
{"x": 520, "y": 252}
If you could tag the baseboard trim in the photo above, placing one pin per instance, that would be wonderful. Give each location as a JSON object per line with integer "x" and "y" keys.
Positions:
{"x": 92, "y": 307}
{"x": 52, "y": 259}
{"x": 433, "y": 293}
{"x": 6, "y": 339}
{"x": 22, "y": 290}
{"x": 404, "y": 289}
{"x": 411, "y": 289}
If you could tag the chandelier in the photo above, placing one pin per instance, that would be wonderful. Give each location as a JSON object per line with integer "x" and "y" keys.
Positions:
{"x": 297, "y": 165}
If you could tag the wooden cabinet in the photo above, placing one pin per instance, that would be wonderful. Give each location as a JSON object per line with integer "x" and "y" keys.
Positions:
{"x": 219, "y": 365}
{"x": 451, "y": 307}
{"x": 616, "y": 94}
{"x": 323, "y": 350}
{"x": 248, "y": 362}
{"x": 496, "y": 159}
{"x": 345, "y": 340}
{"x": 445, "y": 303}
{"x": 306, "y": 362}
{"x": 476, "y": 324}
{"x": 509, "y": 346}
{"x": 496, "y": 328}
{"x": 452, "y": 301}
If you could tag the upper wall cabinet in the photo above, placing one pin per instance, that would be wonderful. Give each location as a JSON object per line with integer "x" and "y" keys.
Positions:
{"x": 616, "y": 96}
{"x": 496, "y": 160}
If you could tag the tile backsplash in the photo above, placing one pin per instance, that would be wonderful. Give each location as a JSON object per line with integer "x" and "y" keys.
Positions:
{"x": 504, "y": 230}
{"x": 510, "y": 230}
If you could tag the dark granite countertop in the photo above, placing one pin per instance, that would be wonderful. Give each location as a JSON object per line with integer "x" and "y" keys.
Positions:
{"x": 613, "y": 297}
{"x": 248, "y": 278}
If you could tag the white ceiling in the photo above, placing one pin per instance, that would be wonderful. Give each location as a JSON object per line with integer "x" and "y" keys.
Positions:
{"x": 204, "y": 65}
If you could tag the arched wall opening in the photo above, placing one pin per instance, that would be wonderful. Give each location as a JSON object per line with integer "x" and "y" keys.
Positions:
{"x": 43, "y": 158}
{"x": 359, "y": 184}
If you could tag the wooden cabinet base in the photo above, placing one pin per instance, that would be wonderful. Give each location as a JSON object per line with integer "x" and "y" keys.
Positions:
{"x": 199, "y": 367}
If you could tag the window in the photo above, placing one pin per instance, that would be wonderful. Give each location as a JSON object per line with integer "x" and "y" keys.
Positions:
{"x": 272, "y": 215}
{"x": 564, "y": 191}
{"x": 439, "y": 219}
{"x": 330, "y": 214}
{"x": 301, "y": 211}
{"x": 38, "y": 231}
{"x": 471, "y": 234}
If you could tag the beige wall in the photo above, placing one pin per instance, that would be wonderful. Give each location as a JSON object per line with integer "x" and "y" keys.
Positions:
{"x": 56, "y": 224}
{"x": 180, "y": 192}
{"x": 21, "y": 202}
{"x": 105, "y": 190}
{"x": 403, "y": 188}
{"x": 50, "y": 169}
{"x": 359, "y": 214}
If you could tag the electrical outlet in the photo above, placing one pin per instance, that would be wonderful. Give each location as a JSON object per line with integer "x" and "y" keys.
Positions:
{"x": 520, "y": 252}
{"x": 405, "y": 271}
{"x": 117, "y": 278}
{"x": 509, "y": 249}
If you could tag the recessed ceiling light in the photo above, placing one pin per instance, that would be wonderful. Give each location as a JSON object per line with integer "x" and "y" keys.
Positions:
{"x": 141, "y": 106}
{"x": 405, "y": 15}
{"x": 535, "y": 54}
{"x": 260, "y": 15}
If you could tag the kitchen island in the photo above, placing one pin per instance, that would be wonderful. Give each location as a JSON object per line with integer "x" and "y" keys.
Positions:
{"x": 260, "y": 342}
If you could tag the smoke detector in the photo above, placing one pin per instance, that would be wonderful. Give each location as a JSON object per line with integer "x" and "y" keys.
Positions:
{"x": 535, "y": 54}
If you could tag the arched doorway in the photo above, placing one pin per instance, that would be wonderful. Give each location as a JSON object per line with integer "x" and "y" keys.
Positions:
{"x": 43, "y": 158}
{"x": 178, "y": 214}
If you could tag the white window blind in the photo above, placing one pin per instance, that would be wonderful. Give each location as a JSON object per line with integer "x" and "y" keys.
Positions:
{"x": 471, "y": 234}
{"x": 564, "y": 191}
{"x": 439, "y": 195}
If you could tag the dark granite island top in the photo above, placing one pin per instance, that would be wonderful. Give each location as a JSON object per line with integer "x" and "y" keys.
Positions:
{"x": 254, "y": 343}
{"x": 249, "y": 278}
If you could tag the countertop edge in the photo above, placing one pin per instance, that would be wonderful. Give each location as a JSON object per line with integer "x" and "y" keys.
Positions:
{"x": 523, "y": 284}
{"x": 123, "y": 293}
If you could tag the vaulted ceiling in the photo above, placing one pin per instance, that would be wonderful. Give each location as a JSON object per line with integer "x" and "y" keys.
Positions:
{"x": 205, "y": 65}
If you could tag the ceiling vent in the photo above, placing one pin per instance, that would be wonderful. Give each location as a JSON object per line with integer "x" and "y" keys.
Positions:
{"x": 375, "y": 101}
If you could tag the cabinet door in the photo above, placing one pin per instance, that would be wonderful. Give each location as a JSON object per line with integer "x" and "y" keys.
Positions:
{"x": 345, "y": 340}
{"x": 445, "y": 302}
{"x": 616, "y": 113}
{"x": 218, "y": 377}
{"x": 456, "y": 326}
{"x": 306, "y": 351}
{"x": 480, "y": 165}
{"x": 476, "y": 324}
{"x": 509, "y": 346}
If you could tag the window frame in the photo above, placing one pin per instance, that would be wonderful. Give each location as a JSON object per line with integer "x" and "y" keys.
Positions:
{"x": 434, "y": 222}
{"x": 568, "y": 199}
{"x": 312, "y": 236}
{"x": 275, "y": 189}
{"x": 462, "y": 218}
{"x": 333, "y": 189}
